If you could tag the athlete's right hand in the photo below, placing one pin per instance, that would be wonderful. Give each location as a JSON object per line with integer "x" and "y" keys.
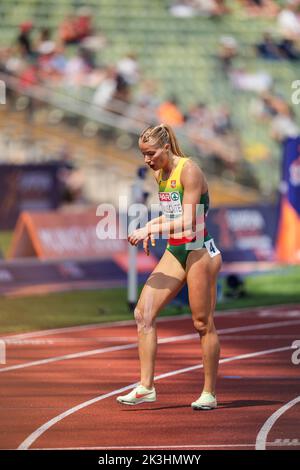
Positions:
{"x": 146, "y": 243}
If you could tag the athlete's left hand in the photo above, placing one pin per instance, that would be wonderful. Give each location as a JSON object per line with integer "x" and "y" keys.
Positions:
{"x": 138, "y": 235}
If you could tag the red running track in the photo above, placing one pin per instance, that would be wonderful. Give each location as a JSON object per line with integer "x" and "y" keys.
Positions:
{"x": 58, "y": 388}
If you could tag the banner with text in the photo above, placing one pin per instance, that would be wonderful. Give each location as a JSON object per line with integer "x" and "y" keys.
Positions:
{"x": 27, "y": 187}
{"x": 245, "y": 233}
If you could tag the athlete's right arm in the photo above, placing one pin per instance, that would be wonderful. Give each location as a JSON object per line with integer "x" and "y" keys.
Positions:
{"x": 158, "y": 220}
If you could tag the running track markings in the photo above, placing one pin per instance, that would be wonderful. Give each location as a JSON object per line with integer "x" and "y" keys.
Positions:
{"x": 192, "y": 446}
{"x": 32, "y": 334}
{"x": 263, "y": 433}
{"x": 134, "y": 345}
{"x": 46, "y": 426}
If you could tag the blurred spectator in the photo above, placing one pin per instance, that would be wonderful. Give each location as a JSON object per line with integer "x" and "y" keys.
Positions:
{"x": 284, "y": 126}
{"x": 106, "y": 89}
{"x": 222, "y": 122}
{"x": 44, "y": 62}
{"x": 268, "y": 49}
{"x": 29, "y": 75}
{"x": 289, "y": 22}
{"x": 169, "y": 112}
{"x": 113, "y": 92}
{"x": 83, "y": 23}
{"x": 58, "y": 61}
{"x": 228, "y": 51}
{"x": 188, "y": 8}
{"x": 258, "y": 81}
{"x": 77, "y": 29}
{"x": 266, "y": 8}
{"x": 10, "y": 62}
{"x": 274, "y": 109}
{"x": 90, "y": 41}
{"x": 45, "y": 43}
{"x": 183, "y": 9}
{"x": 221, "y": 7}
{"x": 75, "y": 70}
{"x": 129, "y": 68}
{"x": 211, "y": 7}
{"x": 24, "y": 40}
{"x": 67, "y": 31}
{"x": 288, "y": 50}
{"x": 122, "y": 92}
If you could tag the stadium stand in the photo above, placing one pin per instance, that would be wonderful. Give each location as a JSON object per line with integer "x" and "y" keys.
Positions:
{"x": 182, "y": 58}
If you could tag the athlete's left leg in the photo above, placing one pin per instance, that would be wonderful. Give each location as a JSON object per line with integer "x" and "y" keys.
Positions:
{"x": 202, "y": 272}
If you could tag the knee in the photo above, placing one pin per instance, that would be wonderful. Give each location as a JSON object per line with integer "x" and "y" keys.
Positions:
{"x": 201, "y": 326}
{"x": 144, "y": 319}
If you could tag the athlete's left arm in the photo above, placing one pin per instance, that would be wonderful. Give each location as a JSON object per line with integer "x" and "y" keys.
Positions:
{"x": 192, "y": 180}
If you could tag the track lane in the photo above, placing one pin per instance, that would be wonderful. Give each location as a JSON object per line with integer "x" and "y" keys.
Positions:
{"x": 51, "y": 389}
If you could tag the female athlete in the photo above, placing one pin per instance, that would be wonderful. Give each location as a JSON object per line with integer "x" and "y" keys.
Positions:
{"x": 191, "y": 256}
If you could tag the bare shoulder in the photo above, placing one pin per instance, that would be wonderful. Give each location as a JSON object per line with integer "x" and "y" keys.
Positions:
{"x": 192, "y": 173}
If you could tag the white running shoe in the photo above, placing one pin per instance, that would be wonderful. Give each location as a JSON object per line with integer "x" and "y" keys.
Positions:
{"x": 138, "y": 395}
{"x": 207, "y": 401}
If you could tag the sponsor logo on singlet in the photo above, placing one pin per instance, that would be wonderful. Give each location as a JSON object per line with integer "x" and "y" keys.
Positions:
{"x": 164, "y": 197}
{"x": 170, "y": 203}
{"x": 175, "y": 196}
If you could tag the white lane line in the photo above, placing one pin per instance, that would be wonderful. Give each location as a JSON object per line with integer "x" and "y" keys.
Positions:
{"x": 28, "y": 342}
{"x": 257, "y": 337}
{"x": 260, "y": 326}
{"x": 171, "y": 339}
{"x": 191, "y": 446}
{"x": 66, "y": 341}
{"x": 195, "y": 446}
{"x": 46, "y": 426}
{"x": 53, "y": 331}
{"x": 255, "y": 377}
{"x": 68, "y": 356}
{"x": 101, "y": 326}
{"x": 264, "y": 431}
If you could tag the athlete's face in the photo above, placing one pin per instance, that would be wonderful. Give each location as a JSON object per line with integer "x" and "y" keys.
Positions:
{"x": 154, "y": 157}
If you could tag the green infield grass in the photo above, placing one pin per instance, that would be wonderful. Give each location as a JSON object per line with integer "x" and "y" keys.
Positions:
{"x": 22, "y": 314}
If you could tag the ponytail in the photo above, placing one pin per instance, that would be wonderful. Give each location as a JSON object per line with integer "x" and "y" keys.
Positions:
{"x": 175, "y": 147}
{"x": 161, "y": 135}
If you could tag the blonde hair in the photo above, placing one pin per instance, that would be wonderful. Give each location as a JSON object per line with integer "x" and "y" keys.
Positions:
{"x": 161, "y": 135}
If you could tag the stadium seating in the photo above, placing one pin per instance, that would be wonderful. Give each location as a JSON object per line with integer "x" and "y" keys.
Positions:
{"x": 180, "y": 52}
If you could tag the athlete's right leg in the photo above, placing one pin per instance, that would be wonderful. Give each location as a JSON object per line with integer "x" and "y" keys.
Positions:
{"x": 161, "y": 287}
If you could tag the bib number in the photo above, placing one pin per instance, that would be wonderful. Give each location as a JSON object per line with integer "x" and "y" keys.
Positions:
{"x": 170, "y": 203}
{"x": 211, "y": 248}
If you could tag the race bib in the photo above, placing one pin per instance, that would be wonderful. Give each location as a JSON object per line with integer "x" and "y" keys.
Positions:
{"x": 170, "y": 203}
{"x": 211, "y": 248}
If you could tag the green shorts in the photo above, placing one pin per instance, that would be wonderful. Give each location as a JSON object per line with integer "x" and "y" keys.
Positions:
{"x": 181, "y": 252}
